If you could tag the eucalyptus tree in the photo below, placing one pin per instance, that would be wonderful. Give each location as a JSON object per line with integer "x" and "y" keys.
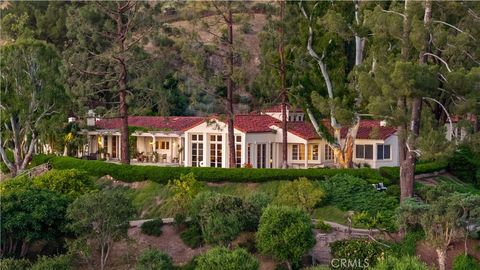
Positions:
{"x": 107, "y": 53}
{"x": 330, "y": 29}
{"x": 32, "y": 91}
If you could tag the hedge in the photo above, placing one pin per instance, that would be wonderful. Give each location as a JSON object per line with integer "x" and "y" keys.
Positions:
{"x": 132, "y": 173}
{"x": 393, "y": 173}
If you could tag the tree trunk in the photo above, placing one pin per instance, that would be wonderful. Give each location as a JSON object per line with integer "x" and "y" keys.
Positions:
{"x": 441, "y": 256}
{"x": 231, "y": 115}
{"x": 406, "y": 166}
{"x": 283, "y": 90}
{"x": 122, "y": 84}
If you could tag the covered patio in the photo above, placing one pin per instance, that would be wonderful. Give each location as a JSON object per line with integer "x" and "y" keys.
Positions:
{"x": 158, "y": 148}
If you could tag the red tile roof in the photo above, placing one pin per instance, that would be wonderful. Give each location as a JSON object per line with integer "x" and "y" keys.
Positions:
{"x": 170, "y": 123}
{"x": 369, "y": 129}
{"x": 248, "y": 123}
{"x": 456, "y": 118}
{"x": 251, "y": 123}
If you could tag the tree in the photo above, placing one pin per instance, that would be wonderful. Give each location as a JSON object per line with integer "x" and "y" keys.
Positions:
{"x": 29, "y": 214}
{"x": 222, "y": 258}
{"x": 40, "y": 20}
{"x": 32, "y": 89}
{"x": 106, "y": 52}
{"x": 286, "y": 233}
{"x": 300, "y": 193}
{"x": 338, "y": 104}
{"x": 72, "y": 183}
{"x": 408, "y": 66}
{"x": 221, "y": 58}
{"x": 184, "y": 191}
{"x": 223, "y": 217}
{"x": 441, "y": 220}
{"x": 101, "y": 218}
{"x": 153, "y": 259}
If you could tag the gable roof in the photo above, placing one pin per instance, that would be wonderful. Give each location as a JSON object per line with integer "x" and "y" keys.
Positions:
{"x": 368, "y": 129}
{"x": 254, "y": 123}
{"x": 171, "y": 123}
{"x": 248, "y": 123}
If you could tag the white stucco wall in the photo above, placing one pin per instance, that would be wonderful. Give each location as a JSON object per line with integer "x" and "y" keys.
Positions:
{"x": 375, "y": 163}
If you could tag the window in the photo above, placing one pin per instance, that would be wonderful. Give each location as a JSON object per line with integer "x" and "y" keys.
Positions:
{"x": 164, "y": 145}
{"x": 238, "y": 151}
{"x": 215, "y": 155}
{"x": 261, "y": 155}
{"x": 215, "y": 138}
{"x": 197, "y": 150}
{"x": 238, "y": 155}
{"x": 328, "y": 152}
{"x": 298, "y": 152}
{"x": 313, "y": 152}
{"x": 383, "y": 151}
{"x": 364, "y": 151}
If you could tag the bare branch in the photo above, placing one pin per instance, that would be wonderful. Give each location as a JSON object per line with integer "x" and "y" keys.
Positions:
{"x": 454, "y": 27}
{"x": 439, "y": 58}
{"x": 394, "y": 12}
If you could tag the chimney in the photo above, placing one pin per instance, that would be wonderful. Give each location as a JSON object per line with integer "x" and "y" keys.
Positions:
{"x": 90, "y": 118}
{"x": 383, "y": 123}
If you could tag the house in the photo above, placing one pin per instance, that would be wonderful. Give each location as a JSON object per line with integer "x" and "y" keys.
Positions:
{"x": 202, "y": 142}
{"x": 456, "y": 130}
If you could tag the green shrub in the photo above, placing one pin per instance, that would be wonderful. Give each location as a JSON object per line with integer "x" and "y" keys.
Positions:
{"x": 462, "y": 262}
{"x": 14, "y": 264}
{"x": 259, "y": 200}
{"x": 323, "y": 227}
{"x": 222, "y": 258}
{"x": 465, "y": 164}
{"x": 223, "y": 217}
{"x": 152, "y": 227}
{"x": 198, "y": 202}
{"x": 179, "y": 219}
{"x": 351, "y": 193}
{"x": 71, "y": 182}
{"x": 153, "y": 259}
{"x": 61, "y": 262}
{"x": 192, "y": 236}
{"x": 401, "y": 263}
{"x": 363, "y": 251}
{"x": 132, "y": 173}
{"x": 300, "y": 193}
{"x": 285, "y": 232}
{"x": 408, "y": 245}
{"x": 393, "y": 173}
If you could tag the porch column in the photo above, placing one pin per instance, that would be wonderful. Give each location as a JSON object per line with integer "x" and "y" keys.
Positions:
{"x": 253, "y": 152}
{"x": 306, "y": 155}
{"x": 119, "y": 147}
{"x": 154, "y": 146}
{"x": 225, "y": 156}
{"x": 186, "y": 150}
{"x": 244, "y": 151}
{"x": 170, "y": 144}
{"x": 206, "y": 150}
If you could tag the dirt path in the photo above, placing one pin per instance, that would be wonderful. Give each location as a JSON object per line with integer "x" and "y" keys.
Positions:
{"x": 169, "y": 242}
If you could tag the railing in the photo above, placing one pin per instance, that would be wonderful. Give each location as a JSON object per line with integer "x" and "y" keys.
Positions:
{"x": 37, "y": 170}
